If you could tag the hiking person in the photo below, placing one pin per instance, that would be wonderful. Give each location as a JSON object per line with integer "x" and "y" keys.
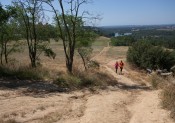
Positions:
{"x": 121, "y": 64}
{"x": 116, "y": 66}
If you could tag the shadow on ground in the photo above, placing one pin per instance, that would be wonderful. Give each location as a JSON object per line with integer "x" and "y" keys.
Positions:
{"x": 132, "y": 87}
{"x": 38, "y": 88}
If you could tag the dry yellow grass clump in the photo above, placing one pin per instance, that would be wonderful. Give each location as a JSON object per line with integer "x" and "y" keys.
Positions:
{"x": 168, "y": 98}
{"x": 168, "y": 92}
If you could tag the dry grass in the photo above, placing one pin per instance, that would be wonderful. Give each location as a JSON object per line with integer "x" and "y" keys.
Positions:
{"x": 137, "y": 75}
{"x": 42, "y": 108}
{"x": 22, "y": 58}
{"x": 51, "y": 118}
{"x": 101, "y": 41}
{"x": 84, "y": 79}
{"x": 168, "y": 92}
{"x": 158, "y": 82}
{"x": 117, "y": 52}
{"x": 57, "y": 64}
{"x": 99, "y": 44}
{"x": 168, "y": 99}
{"x": 50, "y": 69}
{"x": 24, "y": 72}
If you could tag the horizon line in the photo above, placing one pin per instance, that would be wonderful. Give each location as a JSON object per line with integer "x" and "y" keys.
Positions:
{"x": 135, "y": 25}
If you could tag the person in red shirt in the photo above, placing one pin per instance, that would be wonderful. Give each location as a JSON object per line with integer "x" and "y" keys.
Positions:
{"x": 121, "y": 64}
{"x": 116, "y": 66}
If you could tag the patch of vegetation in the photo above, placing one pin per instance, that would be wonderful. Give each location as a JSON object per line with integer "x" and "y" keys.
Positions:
{"x": 68, "y": 81}
{"x": 22, "y": 73}
{"x": 93, "y": 65}
{"x": 168, "y": 99}
{"x": 122, "y": 41}
{"x": 101, "y": 41}
{"x": 168, "y": 92}
{"x": 158, "y": 82}
{"x": 158, "y": 35}
{"x": 115, "y": 52}
{"x": 145, "y": 55}
{"x": 51, "y": 118}
{"x": 84, "y": 79}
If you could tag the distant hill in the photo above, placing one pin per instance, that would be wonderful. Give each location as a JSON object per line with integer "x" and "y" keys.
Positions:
{"x": 110, "y": 31}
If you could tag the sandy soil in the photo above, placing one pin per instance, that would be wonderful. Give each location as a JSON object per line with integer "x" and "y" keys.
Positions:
{"x": 129, "y": 102}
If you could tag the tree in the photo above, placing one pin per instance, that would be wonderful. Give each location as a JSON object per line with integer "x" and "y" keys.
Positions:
{"x": 8, "y": 32}
{"x": 69, "y": 22}
{"x": 85, "y": 39}
{"x": 31, "y": 16}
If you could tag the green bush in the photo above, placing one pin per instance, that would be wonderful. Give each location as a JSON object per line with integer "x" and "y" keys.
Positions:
{"x": 145, "y": 55}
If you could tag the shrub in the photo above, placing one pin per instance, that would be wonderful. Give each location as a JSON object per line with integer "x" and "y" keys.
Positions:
{"x": 145, "y": 55}
{"x": 136, "y": 51}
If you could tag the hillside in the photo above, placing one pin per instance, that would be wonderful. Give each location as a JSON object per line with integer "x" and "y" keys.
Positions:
{"x": 131, "y": 101}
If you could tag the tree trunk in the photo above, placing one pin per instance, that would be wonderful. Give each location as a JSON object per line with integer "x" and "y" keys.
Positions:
{"x": 5, "y": 52}
{"x": 33, "y": 59}
{"x": 2, "y": 49}
{"x": 84, "y": 63}
{"x": 1, "y": 55}
{"x": 33, "y": 63}
{"x": 35, "y": 39}
{"x": 69, "y": 67}
{"x": 31, "y": 35}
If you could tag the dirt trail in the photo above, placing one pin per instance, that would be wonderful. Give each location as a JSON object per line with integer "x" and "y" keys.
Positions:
{"x": 129, "y": 102}
{"x": 144, "y": 104}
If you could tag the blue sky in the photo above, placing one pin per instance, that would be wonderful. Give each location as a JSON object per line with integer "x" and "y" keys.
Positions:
{"x": 131, "y": 12}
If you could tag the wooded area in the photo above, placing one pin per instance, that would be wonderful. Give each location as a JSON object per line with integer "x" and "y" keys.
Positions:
{"x": 26, "y": 20}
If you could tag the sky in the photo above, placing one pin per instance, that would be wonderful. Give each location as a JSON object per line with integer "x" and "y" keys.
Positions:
{"x": 130, "y": 12}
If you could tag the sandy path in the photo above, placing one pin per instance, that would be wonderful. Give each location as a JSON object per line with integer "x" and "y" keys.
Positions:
{"x": 145, "y": 107}
{"x": 129, "y": 102}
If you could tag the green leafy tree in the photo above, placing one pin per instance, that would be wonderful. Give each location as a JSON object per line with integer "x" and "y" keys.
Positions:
{"x": 69, "y": 23}
{"x": 8, "y": 33}
{"x": 84, "y": 42}
{"x": 30, "y": 13}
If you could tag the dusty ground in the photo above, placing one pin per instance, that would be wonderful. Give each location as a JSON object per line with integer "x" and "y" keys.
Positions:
{"x": 129, "y": 102}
